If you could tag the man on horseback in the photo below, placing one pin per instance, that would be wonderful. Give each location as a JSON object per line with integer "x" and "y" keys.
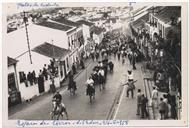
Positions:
{"x": 58, "y": 107}
{"x": 90, "y": 90}
{"x": 58, "y": 99}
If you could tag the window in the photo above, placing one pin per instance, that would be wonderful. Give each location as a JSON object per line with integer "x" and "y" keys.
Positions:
{"x": 22, "y": 77}
{"x": 162, "y": 31}
{"x": 68, "y": 42}
{"x": 72, "y": 39}
{"x": 67, "y": 63}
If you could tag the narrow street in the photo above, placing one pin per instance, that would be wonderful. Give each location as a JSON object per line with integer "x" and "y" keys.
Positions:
{"x": 114, "y": 64}
{"x": 110, "y": 103}
{"x": 78, "y": 106}
{"x": 127, "y": 106}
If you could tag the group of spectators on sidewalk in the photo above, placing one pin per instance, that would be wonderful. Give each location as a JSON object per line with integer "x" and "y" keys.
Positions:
{"x": 167, "y": 72}
{"x": 166, "y": 104}
{"x": 142, "y": 102}
{"x": 124, "y": 47}
{"x": 47, "y": 72}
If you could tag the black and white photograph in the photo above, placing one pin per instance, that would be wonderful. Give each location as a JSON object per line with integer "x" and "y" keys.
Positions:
{"x": 94, "y": 62}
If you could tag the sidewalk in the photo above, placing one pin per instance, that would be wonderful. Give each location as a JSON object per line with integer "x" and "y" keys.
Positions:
{"x": 127, "y": 106}
{"x": 23, "y": 105}
{"x": 154, "y": 112}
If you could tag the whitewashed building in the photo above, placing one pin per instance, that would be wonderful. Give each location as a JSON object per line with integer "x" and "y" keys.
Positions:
{"x": 87, "y": 33}
{"x": 74, "y": 37}
{"x": 161, "y": 20}
{"x": 98, "y": 35}
{"x": 40, "y": 34}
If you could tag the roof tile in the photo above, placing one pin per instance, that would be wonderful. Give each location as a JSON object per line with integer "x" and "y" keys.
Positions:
{"x": 67, "y": 22}
{"x": 51, "y": 51}
{"x": 54, "y": 25}
{"x": 85, "y": 22}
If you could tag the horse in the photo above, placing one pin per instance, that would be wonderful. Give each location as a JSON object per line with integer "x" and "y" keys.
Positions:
{"x": 72, "y": 87}
{"x": 59, "y": 111}
{"x": 111, "y": 66}
{"x": 101, "y": 81}
{"x": 91, "y": 92}
{"x": 95, "y": 78}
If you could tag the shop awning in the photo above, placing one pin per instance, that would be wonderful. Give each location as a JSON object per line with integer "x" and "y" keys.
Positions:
{"x": 51, "y": 51}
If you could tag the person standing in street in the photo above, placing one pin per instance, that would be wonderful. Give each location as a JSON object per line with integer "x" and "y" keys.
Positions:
{"x": 130, "y": 88}
{"x": 172, "y": 102}
{"x": 118, "y": 55}
{"x": 92, "y": 56}
{"x": 139, "y": 102}
{"x": 134, "y": 60}
{"x": 101, "y": 78}
{"x": 82, "y": 64}
{"x": 73, "y": 68}
{"x": 162, "y": 107}
{"x": 130, "y": 57}
{"x": 155, "y": 98}
{"x": 167, "y": 106}
{"x": 144, "y": 112}
{"x": 97, "y": 55}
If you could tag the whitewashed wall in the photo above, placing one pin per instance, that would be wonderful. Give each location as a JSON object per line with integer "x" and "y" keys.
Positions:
{"x": 25, "y": 65}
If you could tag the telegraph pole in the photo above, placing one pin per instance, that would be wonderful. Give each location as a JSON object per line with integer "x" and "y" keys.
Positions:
{"x": 53, "y": 49}
{"x": 25, "y": 22}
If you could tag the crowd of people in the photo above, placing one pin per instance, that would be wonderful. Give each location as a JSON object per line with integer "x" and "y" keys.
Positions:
{"x": 165, "y": 104}
{"x": 123, "y": 47}
{"x": 166, "y": 70}
{"x": 46, "y": 73}
{"x": 99, "y": 75}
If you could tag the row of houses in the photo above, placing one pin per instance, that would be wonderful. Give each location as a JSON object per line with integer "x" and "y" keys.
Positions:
{"x": 57, "y": 43}
{"x": 158, "y": 20}
{"x": 157, "y": 33}
{"x": 53, "y": 40}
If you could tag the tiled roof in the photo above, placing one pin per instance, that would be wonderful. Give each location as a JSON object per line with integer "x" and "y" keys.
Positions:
{"x": 85, "y": 22}
{"x": 11, "y": 61}
{"x": 54, "y": 25}
{"x": 67, "y": 22}
{"x": 51, "y": 51}
{"x": 139, "y": 22}
{"x": 166, "y": 13}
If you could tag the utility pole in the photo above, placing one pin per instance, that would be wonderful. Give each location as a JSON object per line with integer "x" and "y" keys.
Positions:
{"x": 25, "y": 22}
{"x": 53, "y": 49}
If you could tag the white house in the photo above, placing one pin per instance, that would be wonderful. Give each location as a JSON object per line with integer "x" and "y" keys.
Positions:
{"x": 75, "y": 38}
{"x": 87, "y": 32}
{"x": 98, "y": 35}
{"x": 161, "y": 22}
{"x": 55, "y": 35}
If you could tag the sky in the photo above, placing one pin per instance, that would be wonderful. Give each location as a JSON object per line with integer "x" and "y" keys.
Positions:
{"x": 12, "y": 8}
